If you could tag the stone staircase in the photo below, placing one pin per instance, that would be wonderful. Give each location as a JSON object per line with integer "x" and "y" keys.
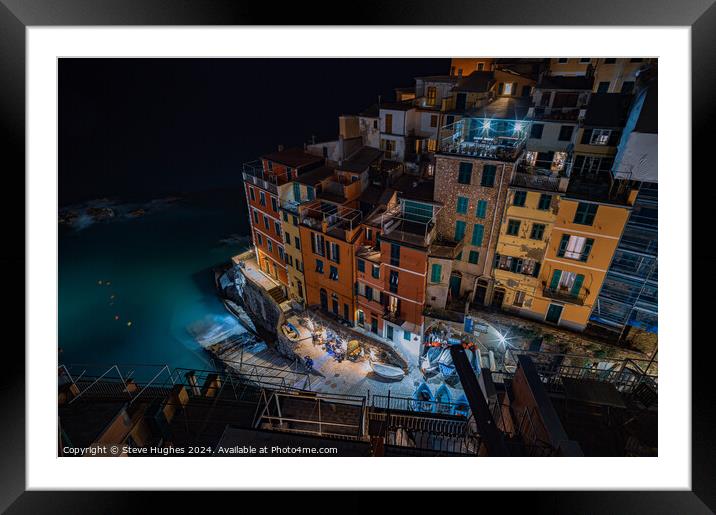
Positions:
{"x": 277, "y": 294}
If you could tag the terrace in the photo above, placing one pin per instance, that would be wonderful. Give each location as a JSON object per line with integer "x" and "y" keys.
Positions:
{"x": 499, "y": 134}
{"x": 331, "y": 219}
{"x": 405, "y": 225}
{"x": 541, "y": 177}
{"x": 254, "y": 173}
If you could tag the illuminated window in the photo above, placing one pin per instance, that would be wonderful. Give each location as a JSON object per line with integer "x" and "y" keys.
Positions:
{"x": 600, "y": 137}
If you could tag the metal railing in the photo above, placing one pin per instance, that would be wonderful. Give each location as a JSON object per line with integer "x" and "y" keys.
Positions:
{"x": 389, "y": 402}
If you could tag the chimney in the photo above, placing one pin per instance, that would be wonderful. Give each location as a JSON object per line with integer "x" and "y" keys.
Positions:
{"x": 280, "y": 148}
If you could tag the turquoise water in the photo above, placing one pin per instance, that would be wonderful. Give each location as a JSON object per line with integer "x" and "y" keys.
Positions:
{"x": 156, "y": 274}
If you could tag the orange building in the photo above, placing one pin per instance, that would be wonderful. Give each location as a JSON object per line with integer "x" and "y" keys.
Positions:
{"x": 264, "y": 182}
{"x": 328, "y": 232}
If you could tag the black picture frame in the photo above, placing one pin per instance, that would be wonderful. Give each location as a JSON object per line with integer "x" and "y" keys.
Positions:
{"x": 17, "y": 15}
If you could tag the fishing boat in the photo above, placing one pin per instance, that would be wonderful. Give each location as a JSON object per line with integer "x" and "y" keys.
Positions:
{"x": 461, "y": 406}
{"x": 387, "y": 371}
{"x": 423, "y": 399}
{"x": 443, "y": 398}
{"x": 289, "y": 331}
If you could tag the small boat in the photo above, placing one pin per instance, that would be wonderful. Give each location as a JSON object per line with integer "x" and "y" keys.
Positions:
{"x": 443, "y": 398}
{"x": 423, "y": 399}
{"x": 387, "y": 371}
{"x": 447, "y": 368}
{"x": 289, "y": 331}
{"x": 461, "y": 406}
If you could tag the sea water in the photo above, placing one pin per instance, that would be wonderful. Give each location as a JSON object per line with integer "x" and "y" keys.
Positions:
{"x": 131, "y": 286}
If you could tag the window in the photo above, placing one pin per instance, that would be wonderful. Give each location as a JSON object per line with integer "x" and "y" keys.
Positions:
{"x": 318, "y": 244}
{"x": 459, "y": 256}
{"x": 361, "y": 265}
{"x": 575, "y": 247}
{"x": 536, "y": 131}
{"x": 285, "y": 216}
{"x": 436, "y": 273}
{"x": 488, "y": 176}
{"x": 334, "y": 252}
{"x": 537, "y": 232}
{"x": 567, "y": 282}
{"x": 519, "y": 298}
{"x": 394, "y": 254}
{"x": 252, "y": 194}
{"x": 394, "y": 281}
{"x": 462, "y": 205}
{"x": 565, "y": 132}
{"x": 299, "y": 266}
{"x": 610, "y": 60}
{"x": 584, "y": 60}
{"x": 287, "y": 238}
{"x": 368, "y": 234}
{"x": 277, "y": 227}
{"x": 513, "y": 227}
{"x": 269, "y": 244}
{"x": 473, "y": 257}
{"x": 369, "y": 292}
{"x": 266, "y": 222}
{"x": 333, "y": 273}
{"x": 481, "y": 211}
{"x": 297, "y": 241}
{"x": 562, "y": 60}
{"x": 627, "y": 86}
{"x": 519, "y": 198}
{"x": 274, "y": 204}
{"x": 375, "y": 272}
{"x": 585, "y": 213}
{"x": 259, "y": 239}
{"x": 545, "y": 201}
{"x": 262, "y": 198}
{"x": 480, "y": 66}
{"x": 432, "y": 98}
{"x": 388, "y": 123}
{"x": 477, "y": 234}
{"x": 465, "y": 173}
{"x": 459, "y": 230}
{"x": 310, "y": 192}
{"x": 407, "y": 335}
{"x": 295, "y": 221}
{"x": 319, "y": 266}
{"x": 600, "y": 137}
{"x": 281, "y": 255}
{"x": 256, "y": 216}
{"x": 603, "y": 87}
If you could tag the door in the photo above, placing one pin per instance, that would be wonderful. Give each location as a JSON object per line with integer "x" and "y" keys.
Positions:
{"x": 389, "y": 332}
{"x": 324, "y": 300}
{"x": 460, "y": 101}
{"x": 335, "y": 305}
{"x": 345, "y": 312}
{"x": 554, "y": 312}
{"x": 361, "y": 317}
{"x": 389, "y": 123}
{"x": 374, "y": 325}
{"x": 526, "y": 91}
{"x": 480, "y": 294}
{"x": 498, "y": 297}
{"x": 455, "y": 281}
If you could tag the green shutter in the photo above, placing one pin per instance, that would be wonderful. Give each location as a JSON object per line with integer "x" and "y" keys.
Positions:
{"x": 297, "y": 192}
{"x": 587, "y": 249}
{"x": 459, "y": 230}
{"x": 481, "y": 209}
{"x": 556, "y": 276}
{"x": 477, "y": 234}
{"x": 563, "y": 245}
{"x": 436, "y": 273}
{"x": 577, "y": 284}
{"x": 462, "y": 203}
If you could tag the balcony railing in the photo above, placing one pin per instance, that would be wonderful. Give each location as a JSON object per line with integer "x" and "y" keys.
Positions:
{"x": 566, "y": 114}
{"x": 254, "y": 173}
{"x": 540, "y": 182}
{"x": 565, "y": 294}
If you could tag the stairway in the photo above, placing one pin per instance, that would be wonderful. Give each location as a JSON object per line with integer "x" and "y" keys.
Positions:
{"x": 277, "y": 294}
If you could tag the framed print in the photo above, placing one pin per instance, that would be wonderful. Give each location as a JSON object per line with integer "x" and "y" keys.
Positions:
{"x": 311, "y": 257}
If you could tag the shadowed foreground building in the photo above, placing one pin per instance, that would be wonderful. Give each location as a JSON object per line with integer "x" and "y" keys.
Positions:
{"x": 540, "y": 409}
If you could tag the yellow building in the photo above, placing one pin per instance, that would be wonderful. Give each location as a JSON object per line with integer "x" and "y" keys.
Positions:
{"x": 530, "y": 214}
{"x": 617, "y": 75}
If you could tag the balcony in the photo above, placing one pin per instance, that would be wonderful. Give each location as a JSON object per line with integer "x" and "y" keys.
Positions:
{"x": 337, "y": 221}
{"x": 542, "y": 179}
{"x": 565, "y": 295}
{"x": 556, "y": 114}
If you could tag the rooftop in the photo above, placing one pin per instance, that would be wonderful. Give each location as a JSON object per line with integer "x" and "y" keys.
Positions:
{"x": 504, "y": 108}
{"x": 648, "y": 121}
{"x": 315, "y": 176}
{"x": 415, "y": 188}
{"x": 397, "y": 106}
{"x": 293, "y": 157}
{"x": 361, "y": 159}
{"x": 476, "y": 82}
{"x": 599, "y": 188}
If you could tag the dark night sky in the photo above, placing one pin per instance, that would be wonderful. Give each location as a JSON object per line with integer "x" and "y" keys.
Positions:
{"x": 142, "y": 128}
